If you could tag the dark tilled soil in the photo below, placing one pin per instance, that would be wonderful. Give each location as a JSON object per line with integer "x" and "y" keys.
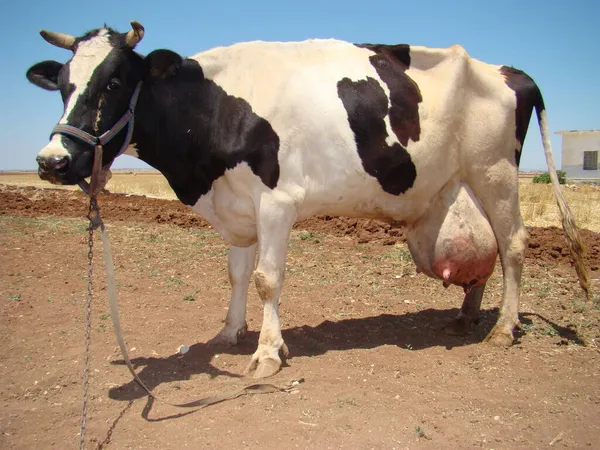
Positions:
{"x": 545, "y": 244}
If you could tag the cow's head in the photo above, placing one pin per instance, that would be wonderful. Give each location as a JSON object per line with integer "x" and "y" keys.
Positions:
{"x": 96, "y": 86}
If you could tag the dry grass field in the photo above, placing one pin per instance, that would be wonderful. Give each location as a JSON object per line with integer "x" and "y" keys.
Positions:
{"x": 148, "y": 183}
{"x": 538, "y": 206}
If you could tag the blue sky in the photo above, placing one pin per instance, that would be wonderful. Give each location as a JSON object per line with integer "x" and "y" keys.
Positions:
{"x": 556, "y": 42}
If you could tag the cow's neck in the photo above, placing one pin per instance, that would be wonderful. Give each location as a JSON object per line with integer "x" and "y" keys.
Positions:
{"x": 171, "y": 131}
{"x": 191, "y": 130}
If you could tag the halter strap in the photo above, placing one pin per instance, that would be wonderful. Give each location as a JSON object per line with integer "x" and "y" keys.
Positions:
{"x": 106, "y": 137}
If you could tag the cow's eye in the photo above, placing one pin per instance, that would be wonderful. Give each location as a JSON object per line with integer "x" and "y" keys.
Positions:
{"x": 113, "y": 84}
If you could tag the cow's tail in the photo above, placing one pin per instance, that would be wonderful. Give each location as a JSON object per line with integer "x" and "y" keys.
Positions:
{"x": 570, "y": 229}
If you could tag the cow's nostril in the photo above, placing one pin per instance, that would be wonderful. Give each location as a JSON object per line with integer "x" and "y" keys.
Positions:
{"x": 61, "y": 164}
{"x": 41, "y": 161}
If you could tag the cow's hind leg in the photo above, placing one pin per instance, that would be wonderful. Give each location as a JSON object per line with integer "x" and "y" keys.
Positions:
{"x": 240, "y": 264}
{"x": 274, "y": 222}
{"x": 469, "y": 312}
{"x": 497, "y": 189}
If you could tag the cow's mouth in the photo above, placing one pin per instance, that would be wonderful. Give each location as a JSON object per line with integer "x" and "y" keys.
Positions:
{"x": 50, "y": 177}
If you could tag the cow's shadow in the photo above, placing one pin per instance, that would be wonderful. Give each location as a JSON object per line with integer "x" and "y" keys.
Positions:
{"x": 414, "y": 331}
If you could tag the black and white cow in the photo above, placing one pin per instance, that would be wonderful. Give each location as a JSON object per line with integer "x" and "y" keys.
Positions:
{"x": 258, "y": 135}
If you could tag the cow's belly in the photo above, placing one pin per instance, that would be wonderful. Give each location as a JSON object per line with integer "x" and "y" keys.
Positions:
{"x": 454, "y": 241}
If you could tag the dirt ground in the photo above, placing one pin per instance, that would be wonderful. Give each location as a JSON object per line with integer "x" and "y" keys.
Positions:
{"x": 364, "y": 332}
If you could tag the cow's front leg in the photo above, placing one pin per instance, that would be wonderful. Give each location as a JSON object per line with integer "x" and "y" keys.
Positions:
{"x": 274, "y": 225}
{"x": 469, "y": 312}
{"x": 240, "y": 264}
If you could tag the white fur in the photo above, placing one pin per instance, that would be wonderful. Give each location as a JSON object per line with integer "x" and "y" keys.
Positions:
{"x": 90, "y": 54}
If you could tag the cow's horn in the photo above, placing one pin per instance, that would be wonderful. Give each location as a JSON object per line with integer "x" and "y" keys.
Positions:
{"x": 135, "y": 35}
{"x": 59, "y": 39}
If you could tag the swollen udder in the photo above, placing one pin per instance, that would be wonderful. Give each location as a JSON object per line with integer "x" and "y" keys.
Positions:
{"x": 454, "y": 241}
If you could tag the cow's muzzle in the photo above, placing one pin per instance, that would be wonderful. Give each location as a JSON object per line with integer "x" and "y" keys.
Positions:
{"x": 53, "y": 168}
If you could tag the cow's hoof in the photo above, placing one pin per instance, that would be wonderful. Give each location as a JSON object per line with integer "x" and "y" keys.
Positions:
{"x": 459, "y": 326}
{"x": 266, "y": 368}
{"x": 500, "y": 337}
{"x": 229, "y": 336}
{"x": 266, "y": 361}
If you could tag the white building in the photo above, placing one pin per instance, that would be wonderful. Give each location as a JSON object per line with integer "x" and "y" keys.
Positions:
{"x": 580, "y": 149}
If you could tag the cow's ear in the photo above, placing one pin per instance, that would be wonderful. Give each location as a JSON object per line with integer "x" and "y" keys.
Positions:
{"x": 45, "y": 74}
{"x": 162, "y": 64}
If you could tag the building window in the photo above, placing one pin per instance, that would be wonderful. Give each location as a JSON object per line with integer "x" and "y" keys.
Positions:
{"x": 590, "y": 160}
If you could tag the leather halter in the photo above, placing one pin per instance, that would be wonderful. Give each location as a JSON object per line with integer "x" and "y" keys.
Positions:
{"x": 126, "y": 120}
{"x": 106, "y": 137}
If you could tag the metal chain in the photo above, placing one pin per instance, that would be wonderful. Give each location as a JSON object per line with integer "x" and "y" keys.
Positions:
{"x": 93, "y": 213}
